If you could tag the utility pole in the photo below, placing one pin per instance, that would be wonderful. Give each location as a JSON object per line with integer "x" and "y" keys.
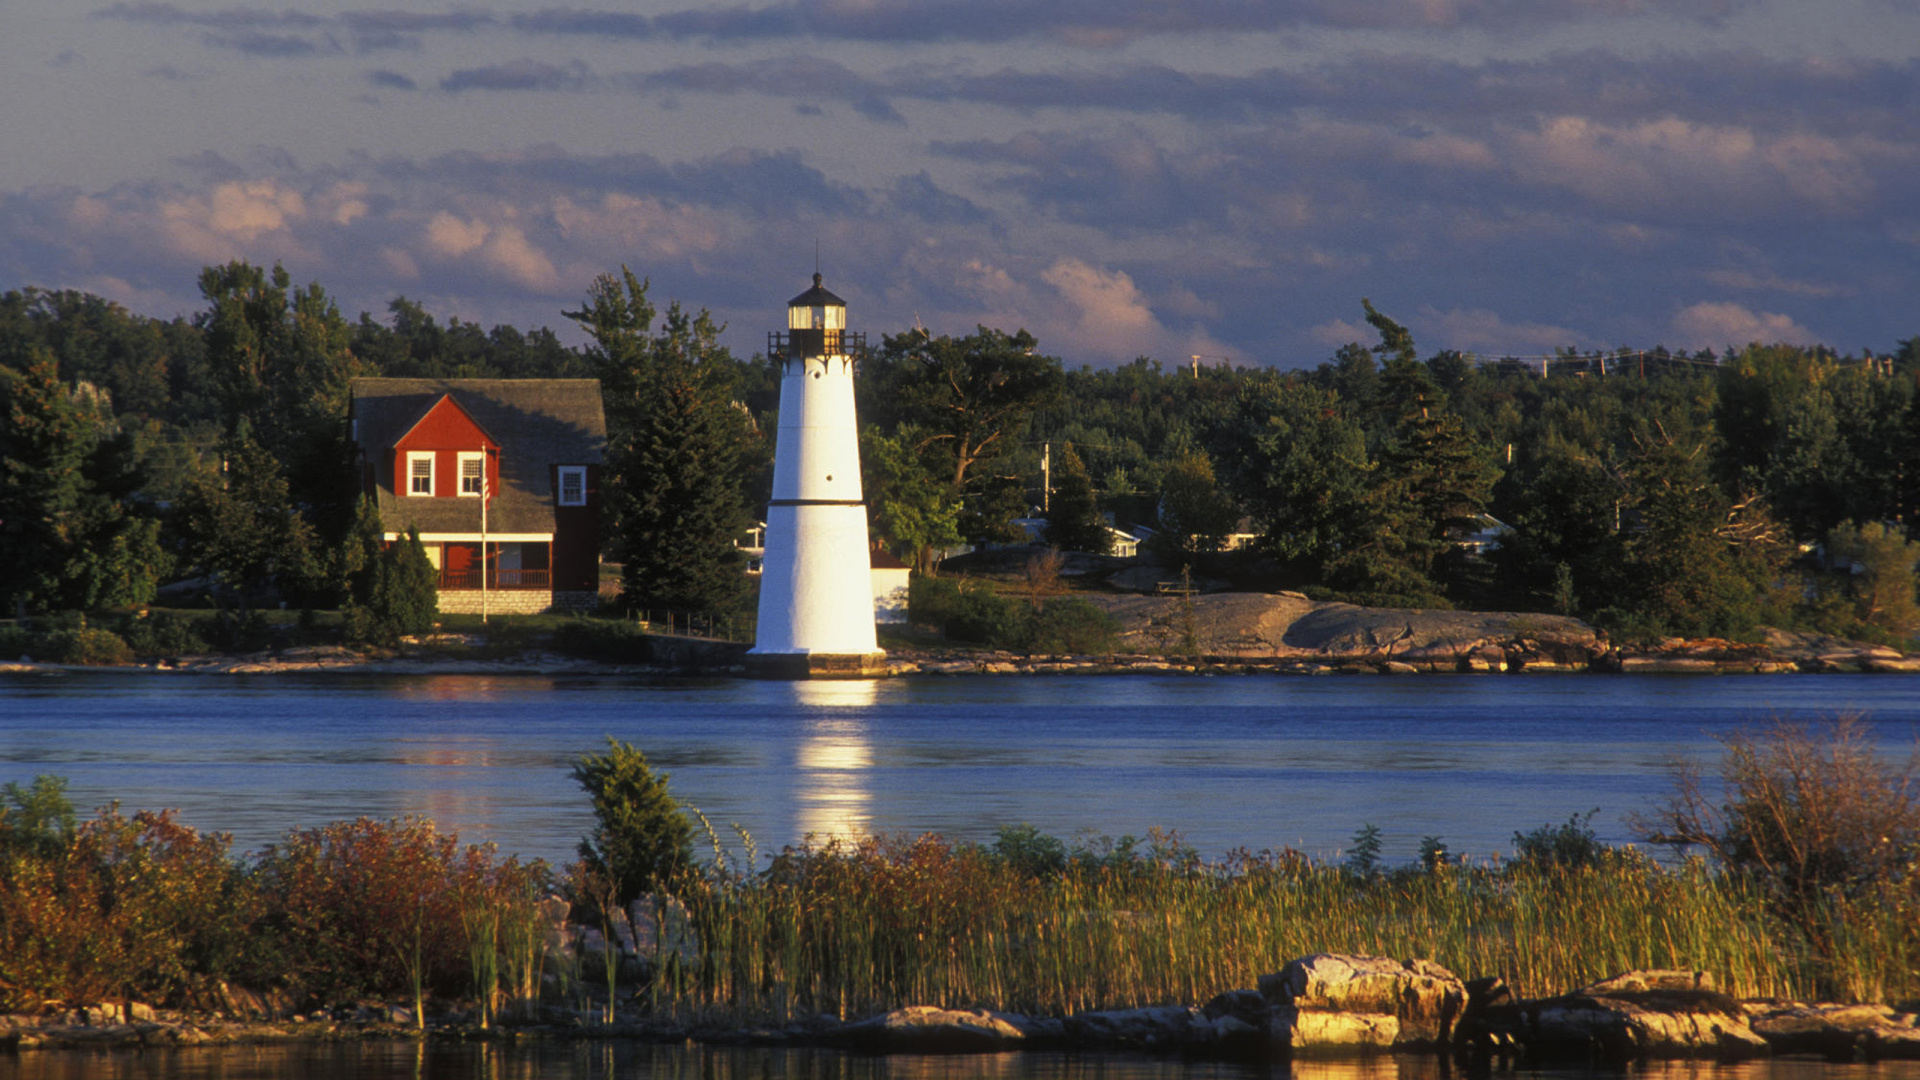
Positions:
{"x": 1046, "y": 478}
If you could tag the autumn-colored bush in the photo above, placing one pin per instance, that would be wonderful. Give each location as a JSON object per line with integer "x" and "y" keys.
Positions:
{"x": 369, "y": 907}
{"x": 118, "y": 907}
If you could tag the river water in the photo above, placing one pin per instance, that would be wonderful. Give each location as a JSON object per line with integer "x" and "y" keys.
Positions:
{"x": 1245, "y": 761}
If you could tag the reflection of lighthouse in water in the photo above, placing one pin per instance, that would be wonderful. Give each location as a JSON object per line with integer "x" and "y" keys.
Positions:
{"x": 833, "y": 763}
{"x": 816, "y": 582}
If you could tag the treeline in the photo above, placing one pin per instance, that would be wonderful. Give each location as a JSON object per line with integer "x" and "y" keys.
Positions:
{"x": 1654, "y": 492}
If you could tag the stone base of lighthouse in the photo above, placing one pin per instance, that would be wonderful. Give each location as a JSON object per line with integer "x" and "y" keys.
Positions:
{"x": 818, "y": 665}
{"x": 816, "y": 594}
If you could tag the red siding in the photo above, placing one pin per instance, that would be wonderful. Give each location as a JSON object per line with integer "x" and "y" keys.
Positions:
{"x": 576, "y": 536}
{"x": 446, "y": 430}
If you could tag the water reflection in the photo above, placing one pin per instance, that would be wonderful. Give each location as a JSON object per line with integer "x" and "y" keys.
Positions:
{"x": 835, "y": 762}
{"x": 644, "y": 1061}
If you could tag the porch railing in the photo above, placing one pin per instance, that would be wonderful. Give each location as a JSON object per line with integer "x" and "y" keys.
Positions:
{"x": 497, "y": 579}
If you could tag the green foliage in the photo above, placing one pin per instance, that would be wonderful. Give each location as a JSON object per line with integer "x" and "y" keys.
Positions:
{"x": 1070, "y": 626}
{"x": 1363, "y": 851}
{"x": 243, "y": 530}
{"x": 392, "y": 590}
{"x": 1194, "y": 516}
{"x": 162, "y": 633}
{"x": 1073, "y": 521}
{"x": 975, "y": 614}
{"x": 678, "y": 450}
{"x": 1571, "y": 845}
{"x": 642, "y": 840}
{"x": 35, "y": 820}
{"x": 1877, "y": 564}
{"x": 1030, "y": 852}
{"x": 610, "y": 641}
{"x": 909, "y": 508}
{"x": 84, "y": 644}
{"x": 70, "y": 533}
{"x": 965, "y": 400}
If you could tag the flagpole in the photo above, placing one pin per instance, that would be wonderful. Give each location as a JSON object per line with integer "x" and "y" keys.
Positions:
{"x": 483, "y": 534}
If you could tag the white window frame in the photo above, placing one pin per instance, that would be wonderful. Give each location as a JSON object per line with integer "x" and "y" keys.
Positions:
{"x": 560, "y": 485}
{"x": 466, "y": 456}
{"x": 427, "y": 456}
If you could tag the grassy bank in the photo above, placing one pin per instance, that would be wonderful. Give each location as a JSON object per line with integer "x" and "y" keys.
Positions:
{"x": 143, "y": 908}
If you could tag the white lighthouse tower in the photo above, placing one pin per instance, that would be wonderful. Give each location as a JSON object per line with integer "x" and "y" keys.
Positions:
{"x": 816, "y": 583}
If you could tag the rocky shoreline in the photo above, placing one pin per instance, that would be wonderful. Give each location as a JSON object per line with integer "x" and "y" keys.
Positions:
{"x": 1316, "y": 1006}
{"x": 1208, "y": 634}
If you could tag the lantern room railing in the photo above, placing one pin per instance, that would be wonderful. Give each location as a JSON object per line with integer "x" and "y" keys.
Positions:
{"x": 800, "y": 344}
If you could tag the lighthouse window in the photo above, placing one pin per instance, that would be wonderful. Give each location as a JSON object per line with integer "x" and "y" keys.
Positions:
{"x": 819, "y": 318}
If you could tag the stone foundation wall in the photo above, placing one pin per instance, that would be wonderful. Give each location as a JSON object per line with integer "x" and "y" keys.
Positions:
{"x": 499, "y": 601}
{"x": 576, "y": 601}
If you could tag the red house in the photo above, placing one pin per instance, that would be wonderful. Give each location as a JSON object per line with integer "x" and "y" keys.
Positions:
{"x": 501, "y": 477}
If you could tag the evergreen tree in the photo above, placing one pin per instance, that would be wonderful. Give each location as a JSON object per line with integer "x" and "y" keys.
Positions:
{"x": 641, "y": 839}
{"x": 1074, "y": 522}
{"x": 1195, "y": 516}
{"x": 679, "y": 451}
{"x": 242, "y": 530}
{"x": 71, "y": 535}
{"x": 391, "y": 589}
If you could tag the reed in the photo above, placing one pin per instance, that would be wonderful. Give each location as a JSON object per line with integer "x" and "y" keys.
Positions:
{"x": 858, "y": 927}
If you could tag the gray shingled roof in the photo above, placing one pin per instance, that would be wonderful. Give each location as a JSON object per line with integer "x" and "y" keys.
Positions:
{"x": 537, "y": 422}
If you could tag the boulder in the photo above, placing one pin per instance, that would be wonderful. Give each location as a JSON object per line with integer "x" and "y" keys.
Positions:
{"x": 1840, "y": 1033}
{"x": 1333, "y": 1002}
{"x": 1638, "y": 1015}
{"x": 926, "y": 1029}
{"x": 1160, "y": 1028}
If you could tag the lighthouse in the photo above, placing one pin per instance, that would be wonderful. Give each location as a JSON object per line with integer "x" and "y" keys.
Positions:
{"x": 816, "y": 584}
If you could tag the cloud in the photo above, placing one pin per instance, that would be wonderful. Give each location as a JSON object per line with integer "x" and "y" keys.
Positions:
{"x": 391, "y": 80}
{"x": 1710, "y": 325}
{"x": 1105, "y": 25}
{"x": 1482, "y": 331}
{"x": 1112, "y": 316}
{"x": 1767, "y": 282}
{"x": 1338, "y": 332}
{"x": 520, "y": 74}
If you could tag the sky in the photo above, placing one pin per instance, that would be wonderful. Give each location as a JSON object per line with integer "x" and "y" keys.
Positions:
{"x": 1215, "y": 178}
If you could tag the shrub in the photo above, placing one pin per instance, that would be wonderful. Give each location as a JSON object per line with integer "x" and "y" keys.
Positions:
{"x": 615, "y": 641}
{"x": 1572, "y": 845}
{"x": 1029, "y": 851}
{"x": 382, "y": 907}
{"x": 122, "y": 907}
{"x": 1812, "y": 811}
{"x": 640, "y": 839}
{"x": 86, "y": 645}
{"x": 1072, "y": 626}
{"x": 162, "y": 634}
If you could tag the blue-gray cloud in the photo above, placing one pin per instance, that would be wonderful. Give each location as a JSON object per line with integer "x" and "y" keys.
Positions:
{"x": 520, "y": 75}
{"x": 391, "y": 80}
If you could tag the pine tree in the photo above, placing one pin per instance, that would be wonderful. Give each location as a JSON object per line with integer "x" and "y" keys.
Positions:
{"x": 1074, "y": 522}
{"x": 678, "y": 454}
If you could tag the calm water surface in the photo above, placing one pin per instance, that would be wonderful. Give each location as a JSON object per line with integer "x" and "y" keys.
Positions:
{"x": 625, "y": 1061}
{"x": 1259, "y": 762}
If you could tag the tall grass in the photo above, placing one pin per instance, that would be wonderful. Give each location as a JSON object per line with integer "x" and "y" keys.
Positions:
{"x": 854, "y": 928}
{"x": 145, "y": 908}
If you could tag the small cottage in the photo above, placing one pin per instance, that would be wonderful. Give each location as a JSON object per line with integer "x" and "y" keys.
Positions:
{"x": 500, "y": 476}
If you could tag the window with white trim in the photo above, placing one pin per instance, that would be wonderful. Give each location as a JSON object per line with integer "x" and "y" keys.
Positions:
{"x": 573, "y": 485}
{"x": 471, "y": 464}
{"x": 419, "y": 472}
